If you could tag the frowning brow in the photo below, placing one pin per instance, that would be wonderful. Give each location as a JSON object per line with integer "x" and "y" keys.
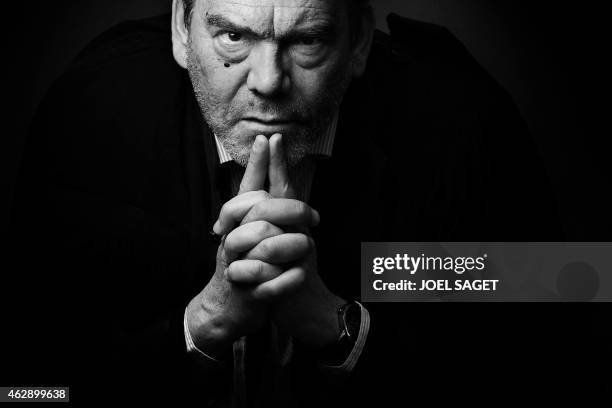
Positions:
{"x": 223, "y": 23}
{"x": 320, "y": 28}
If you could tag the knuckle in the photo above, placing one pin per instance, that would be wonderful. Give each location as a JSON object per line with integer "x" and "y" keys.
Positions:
{"x": 268, "y": 247}
{"x": 263, "y": 228}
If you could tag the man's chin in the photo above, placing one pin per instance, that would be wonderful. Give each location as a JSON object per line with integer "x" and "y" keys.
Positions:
{"x": 240, "y": 140}
{"x": 240, "y": 154}
{"x": 293, "y": 158}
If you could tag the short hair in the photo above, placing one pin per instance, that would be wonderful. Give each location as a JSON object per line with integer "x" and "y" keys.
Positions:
{"x": 357, "y": 10}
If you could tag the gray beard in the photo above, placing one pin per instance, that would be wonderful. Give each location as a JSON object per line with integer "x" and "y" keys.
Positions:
{"x": 298, "y": 144}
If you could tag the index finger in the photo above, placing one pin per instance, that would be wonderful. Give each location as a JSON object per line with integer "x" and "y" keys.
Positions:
{"x": 255, "y": 175}
{"x": 280, "y": 183}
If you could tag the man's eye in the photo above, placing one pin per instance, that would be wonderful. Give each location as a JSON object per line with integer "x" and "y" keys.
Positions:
{"x": 233, "y": 46}
{"x": 234, "y": 37}
{"x": 310, "y": 41}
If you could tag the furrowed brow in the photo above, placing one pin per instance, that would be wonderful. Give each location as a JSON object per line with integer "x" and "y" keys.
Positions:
{"x": 223, "y": 23}
{"x": 323, "y": 30}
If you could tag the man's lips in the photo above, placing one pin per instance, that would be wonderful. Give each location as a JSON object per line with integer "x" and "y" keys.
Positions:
{"x": 270, "y": 121}
{"x": 275, "y": 125}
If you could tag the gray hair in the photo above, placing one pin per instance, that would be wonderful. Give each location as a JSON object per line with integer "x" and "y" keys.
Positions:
{"x": 357, "y": 10}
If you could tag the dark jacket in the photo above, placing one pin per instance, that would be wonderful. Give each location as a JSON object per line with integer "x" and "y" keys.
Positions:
{"x": 119, "y": 188}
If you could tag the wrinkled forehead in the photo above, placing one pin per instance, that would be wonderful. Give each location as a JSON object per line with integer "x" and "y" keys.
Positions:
{"x": 275, "y": 17}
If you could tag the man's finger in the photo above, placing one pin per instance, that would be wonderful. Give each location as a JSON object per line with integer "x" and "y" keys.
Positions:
{"x": 286, "y": 283}
{"x": 282, "y": 249}
{"x": 251, "y": 272}
{"x": 280, "y": 184}
{"x": 283, "y": 212}
{"x": 255, "y": 175}
{"x": 247, "y": 236}
{"x": 235, "y": 209}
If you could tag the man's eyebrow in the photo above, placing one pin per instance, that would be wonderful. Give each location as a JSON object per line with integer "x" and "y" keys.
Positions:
{"x": 315, "y": 29}
{"x": 324, "y": 28}
{"x": 219, "y": 21}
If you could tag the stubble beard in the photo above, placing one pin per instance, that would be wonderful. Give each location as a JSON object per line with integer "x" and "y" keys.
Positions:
{"x": 297, "y": 143}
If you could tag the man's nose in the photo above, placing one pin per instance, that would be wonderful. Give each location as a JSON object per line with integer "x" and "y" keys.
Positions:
{"x": 267, "y": 76}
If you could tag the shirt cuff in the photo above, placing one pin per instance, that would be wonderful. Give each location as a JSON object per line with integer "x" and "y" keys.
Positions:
{"x": 355, "y": 353}
{"x": 191, "y": 347}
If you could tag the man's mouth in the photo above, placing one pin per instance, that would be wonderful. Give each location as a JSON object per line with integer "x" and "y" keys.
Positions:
{"x": 270, "y": 124}
{"x": 270, "y": 121}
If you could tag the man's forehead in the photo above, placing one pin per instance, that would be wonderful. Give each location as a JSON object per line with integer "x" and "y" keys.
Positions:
{"x": 322, "y": 5}
{"x": 270, "y": 18}
{"x": 273, "y": 18}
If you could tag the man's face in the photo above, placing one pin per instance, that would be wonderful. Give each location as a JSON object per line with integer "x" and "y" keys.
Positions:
{"x": 269, "y": 66}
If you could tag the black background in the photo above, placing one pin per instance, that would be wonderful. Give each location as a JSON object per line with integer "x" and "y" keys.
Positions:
{"x": 550, "y": 55}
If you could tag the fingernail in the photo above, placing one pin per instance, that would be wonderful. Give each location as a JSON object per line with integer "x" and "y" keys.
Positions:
{"x": 217, "y": 228}
{"x": 274, "y": 139}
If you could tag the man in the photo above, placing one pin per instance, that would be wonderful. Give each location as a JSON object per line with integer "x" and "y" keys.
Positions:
{"x": 293, "y": 132}
{"x": 258, "y": 69}
{"x": 261, "y": 68}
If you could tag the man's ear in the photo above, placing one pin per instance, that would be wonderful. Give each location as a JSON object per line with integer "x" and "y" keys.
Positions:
{"x": 180, "y": 33}
{"x": 362, "y": 43}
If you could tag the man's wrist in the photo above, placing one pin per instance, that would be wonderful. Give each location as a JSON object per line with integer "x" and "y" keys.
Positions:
{"x": 208, "y": 336}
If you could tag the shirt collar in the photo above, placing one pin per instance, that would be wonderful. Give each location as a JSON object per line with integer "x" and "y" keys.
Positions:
{"x": 323, "y": 147}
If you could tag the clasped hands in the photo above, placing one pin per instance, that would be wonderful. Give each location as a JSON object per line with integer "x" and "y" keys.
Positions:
{"x": 266, "y": 266}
